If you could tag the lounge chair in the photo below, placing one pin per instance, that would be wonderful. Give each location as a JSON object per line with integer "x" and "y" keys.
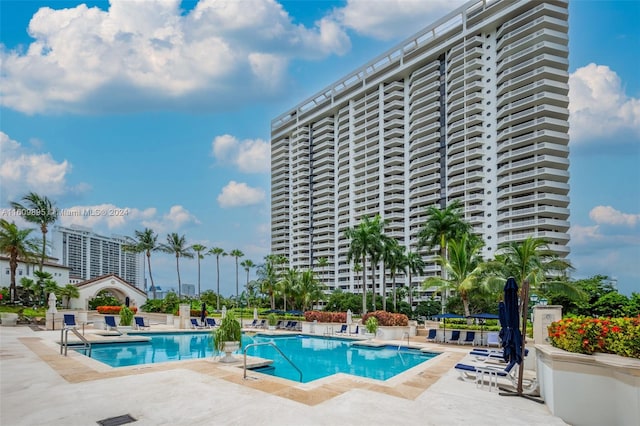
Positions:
{"x": 110, "y": 322}
{"x": 355, "y": 332}
{"x": 254, "y": 324}
{"x": 343, "y": 329}
{"x": 431, "y": 337}
{"x": 292, "y": 325}
{"x": 482, "y": 354}
{"x": 455, "y": 337}
{"x": 69, "y": 321}
{"x": 210, "y": 322}
{"x": 196, "y": 324}
{"x": 139, "y": 322}
{"x": 479, "y": 373}
{"x": 281, "y": 324}
{"x": 263, "y": 324}
{"x": 493, "y": 339}
{"x": 470, "y": 337}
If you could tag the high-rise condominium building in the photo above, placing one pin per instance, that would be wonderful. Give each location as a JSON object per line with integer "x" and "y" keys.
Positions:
{"x": 90, "y": 255}
{"x": 473, "y": 108}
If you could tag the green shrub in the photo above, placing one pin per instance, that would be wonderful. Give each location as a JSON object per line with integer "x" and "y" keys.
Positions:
{"x": 230, "y": 330}
{"x": 126, "y": 316}
{"x": 372, "y": 325}
{"x": 272, "y": 319}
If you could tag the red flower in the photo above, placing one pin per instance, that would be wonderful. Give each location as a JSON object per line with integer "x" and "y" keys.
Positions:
{"x": 615, "y": 329}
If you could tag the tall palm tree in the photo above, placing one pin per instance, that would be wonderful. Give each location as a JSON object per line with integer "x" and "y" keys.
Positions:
{"x": 145, "y": 242}
{"x": 199, "y": 248}
{"x": 415, "y": 265}
{"x": 309, "y": 289}
{"x": 388, "y": 245}
{"x": 287, "y": 286}
{"x": 41, "y": 211}
{"x": 15, "y": 243}
{"x": 69, "y": 292}
{"x": 177, "y": 245}
{"x": 464, "y": 269}
{"x": 442, "y": 226}
{"x": 396, "y": 263}
{"x": 217, "y": 252}
{"x": 322, "y": 263}
{"x": 237, "y": 254}
{"x": 247, "y": 264}
{"x": 364, "y": 240}
{"x": 268, "y": 276}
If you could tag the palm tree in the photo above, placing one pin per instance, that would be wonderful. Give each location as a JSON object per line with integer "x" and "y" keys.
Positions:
{"x": 146, "y": 241}
{"x": 217, "y": 252}
{"x": 269, "y": 278}
{"x": 288, "y": 284}
{"x": 177, "y": 245}
{"x": 414, "y": 265}
{"x": 309, "y": 289}
{"x": 364, "y": 240}
{"x": 464, "y": 268}
{"x": 41, "y": 211}
{"x": 247, "y": 264}
{"x": 15, "y": 243}
{"x": 388, "y": 246}
{"x": 323, "y": 262}
{"x": 532, "y": 261}
{"x": 237, "y": 254}
{"x": 442, "y": 226}
{"x": 198, "y": 248}
{"x": 69, "y": 292}
{"x": 395, "y": 262}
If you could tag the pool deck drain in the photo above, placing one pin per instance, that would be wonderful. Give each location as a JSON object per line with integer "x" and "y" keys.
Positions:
{"x": 77, "y": 368}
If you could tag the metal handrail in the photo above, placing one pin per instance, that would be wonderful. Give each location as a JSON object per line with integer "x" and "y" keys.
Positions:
{"x": 276, "y": 348}
{"x": 64, "y": 340}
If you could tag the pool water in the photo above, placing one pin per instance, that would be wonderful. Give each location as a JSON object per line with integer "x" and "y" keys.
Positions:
{"x": 317, "y": 357}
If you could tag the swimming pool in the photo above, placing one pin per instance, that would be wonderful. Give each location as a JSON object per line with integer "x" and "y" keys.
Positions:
{"x": 317, "y": 357}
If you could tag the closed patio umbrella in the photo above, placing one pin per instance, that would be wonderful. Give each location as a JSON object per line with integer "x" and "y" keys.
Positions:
{"x": 511, "y": 336}
{"x": 203, "y": 313}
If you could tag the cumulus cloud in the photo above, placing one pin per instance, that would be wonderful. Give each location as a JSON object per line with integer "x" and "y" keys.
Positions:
{"x": 249, "y": 155}
{"x": 599, "y": 106}
{"x": 237, "y": 194}
{"x": 152, "y": 54}
{"x": 175, "y": 219}
{"x": 23, "y": 170}
{"x": 392, "y": 18}
{"x": 610, "y": 216}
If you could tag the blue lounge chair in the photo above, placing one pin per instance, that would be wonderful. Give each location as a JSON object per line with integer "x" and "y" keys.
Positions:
{"x": 254, "y": 324}
{"x": 477, "y": 373}
{"x": 493, "y": 339}
{"x": 263, "y": 324}
{"x": 343, "y": 329}
{"x": 431, "y": 337}
{"x": 69, "y": 321}
{"x": 140, "y": 323}
{"x": 357, "y": 330}
{"x": 211, "y": 322}
{"x": 110, "y": 322}
{"x": 470, "y": 337}
{"x": 196, "y": 324}
{"x": 455, "y": 336}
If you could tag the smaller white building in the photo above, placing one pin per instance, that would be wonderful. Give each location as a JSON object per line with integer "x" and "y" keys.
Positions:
{"x": 59, "y": 272}
{"x": 120, "y": 288}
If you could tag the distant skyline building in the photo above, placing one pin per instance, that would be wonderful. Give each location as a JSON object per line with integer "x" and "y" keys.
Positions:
{"x": 473, "y": 108}
{"x": 90, "y": 255}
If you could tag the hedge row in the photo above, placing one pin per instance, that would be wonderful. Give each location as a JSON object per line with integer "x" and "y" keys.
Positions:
{"x": 113, "y": 310}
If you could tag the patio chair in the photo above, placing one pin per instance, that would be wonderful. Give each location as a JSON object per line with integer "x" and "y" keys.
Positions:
{"x": 493, "y": 339}
{"x": 69, "y": 321}
{"x": 292, "y": 325}
{"x": 431, "y": 336}
{"x": 478, "y": 374}
{"x": 470, "y": 337}
{"x": 139, "y": 321}
{"x": 195, "y": 324}
{"x": 355, "y": 332}
{"x": 263, "y": 324}
{"x": 343, "y": 329}
{"x": 110, "y": 323}
{"x": 253, "y": 324}
{"x": 210, "y": 322}
{"x": 455, "y": 337}
{"x": 281, "y": 324}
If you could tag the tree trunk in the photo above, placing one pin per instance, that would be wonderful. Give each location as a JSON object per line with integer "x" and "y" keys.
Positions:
{"x": 179, "y": 282}
{"x": 364, "y": 285}
{"x": 373, "y": 280}
{"x": 13, "y": 265}
{"x": 153, "y": 287}
{"x": 383, "y": 290}
{"x": 43, "y": 228}
{"x": 218, "y": 283}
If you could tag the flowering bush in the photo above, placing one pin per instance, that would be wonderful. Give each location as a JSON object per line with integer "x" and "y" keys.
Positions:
{"x": 387, "y": 319}
{"x": 620, "y": 336}
{"x": 113, "y": 310}
{"x": 322, "y": 316}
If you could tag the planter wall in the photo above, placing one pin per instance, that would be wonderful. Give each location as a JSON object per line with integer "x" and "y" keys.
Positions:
{"x": 585, "y": 390}
{"x": 8, "y": 319}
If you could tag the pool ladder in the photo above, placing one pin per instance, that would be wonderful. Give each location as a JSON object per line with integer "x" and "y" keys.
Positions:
{"x": 64, "y": 340}
{"x": 276, "y": 348}
{"x": 405, "y": 334}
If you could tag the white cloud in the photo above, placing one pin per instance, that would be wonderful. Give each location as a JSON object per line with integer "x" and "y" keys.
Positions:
{"x": 392, "y": 18}
{"x": 175, "y": 219}
{"x": 249, "y": 155}
{"x": 240, "y": 194}
{"x": 100, "y": 216}
{"x": 148, "y": 54}
{"x": 610, "y": 216}
{"x": 22, "y": 171}
{"x": 599, "y": 106}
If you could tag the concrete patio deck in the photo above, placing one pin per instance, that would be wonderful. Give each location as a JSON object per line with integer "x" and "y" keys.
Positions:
{"x": 38, "y": 386}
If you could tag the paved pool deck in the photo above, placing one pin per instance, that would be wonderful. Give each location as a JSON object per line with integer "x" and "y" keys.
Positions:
{"x": 38, "y": 386}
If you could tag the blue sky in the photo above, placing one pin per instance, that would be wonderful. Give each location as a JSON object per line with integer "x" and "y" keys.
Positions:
{"x": 163, "y": 108}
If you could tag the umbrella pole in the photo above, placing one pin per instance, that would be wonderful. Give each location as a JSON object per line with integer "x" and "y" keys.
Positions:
{"x": 525, "y": 308}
